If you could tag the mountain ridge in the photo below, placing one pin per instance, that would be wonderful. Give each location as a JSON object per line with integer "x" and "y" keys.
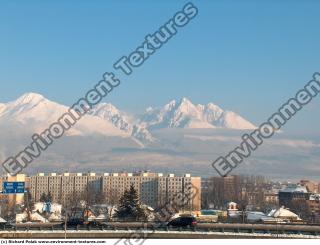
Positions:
{"x": 185, "y": 114}
{"x": 190, "y": 137}
{"x": 35, "y": 110}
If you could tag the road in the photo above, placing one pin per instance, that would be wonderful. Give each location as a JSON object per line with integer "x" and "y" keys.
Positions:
{"x": 156, "y": 230}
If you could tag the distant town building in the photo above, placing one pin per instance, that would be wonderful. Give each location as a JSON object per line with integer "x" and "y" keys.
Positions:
{"x": 271, "y": 197}
{"x": 302, "y": 198}
{"x": 251, "y": 192}
{"x": 292, "y": 193}
{"x": 311, "y": 186}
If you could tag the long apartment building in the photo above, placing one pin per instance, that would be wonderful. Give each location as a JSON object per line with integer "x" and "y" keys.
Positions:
{"x": 154, "y": 189}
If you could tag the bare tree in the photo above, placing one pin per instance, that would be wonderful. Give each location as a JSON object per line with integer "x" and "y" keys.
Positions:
{"x": 112, "y": 197}
{"x": 300, "y": 207}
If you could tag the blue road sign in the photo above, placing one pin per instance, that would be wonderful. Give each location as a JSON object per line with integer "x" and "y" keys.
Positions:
{"x": 13, "y": 187}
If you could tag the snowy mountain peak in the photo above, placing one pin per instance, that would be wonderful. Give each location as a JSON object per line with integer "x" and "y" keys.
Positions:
{"x": 187, "y": 115}
{"x": 29, "y": 106}
{"x": 105, "y": 110}
{"x": 186, "y": 105}
{"x": 37, "y": 113}
{"x": 169, "y": 106}
{"x": 185, "y": 100}
{"x": 29, "y": 98}
{"x": 233, "y": 120}
{"x": 213, "y": 107}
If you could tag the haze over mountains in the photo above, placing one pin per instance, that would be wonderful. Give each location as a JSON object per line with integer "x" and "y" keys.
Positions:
{"x": 177, "y": 137}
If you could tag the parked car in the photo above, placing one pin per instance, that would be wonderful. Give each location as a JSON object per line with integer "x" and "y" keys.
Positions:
{"x": 74, "y": 222}
{"x": 183, "y": 222}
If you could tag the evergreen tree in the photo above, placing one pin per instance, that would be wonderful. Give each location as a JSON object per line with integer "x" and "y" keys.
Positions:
{"x": 129, "y": 207}
{"x": 46, "y": 198}
{"x": 43, "y": 197}
{"x": 49, "y": 197}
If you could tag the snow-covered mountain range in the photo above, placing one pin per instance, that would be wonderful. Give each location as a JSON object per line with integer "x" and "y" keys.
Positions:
{"x": 121, "y": 120}
{"x": 34, "y": 112}
{"x": 179, "y": 136}
{"x": 184, "y": 114}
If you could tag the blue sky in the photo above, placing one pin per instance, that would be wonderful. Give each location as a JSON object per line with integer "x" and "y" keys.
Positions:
{"x": 245, "y": 56}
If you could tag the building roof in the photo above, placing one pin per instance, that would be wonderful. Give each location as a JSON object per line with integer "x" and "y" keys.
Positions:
{"x": 255, "y": 216}
{"x": 314, "y": 197}
{"x": 282, "y": 213}
{"x": 294, "y": 189}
